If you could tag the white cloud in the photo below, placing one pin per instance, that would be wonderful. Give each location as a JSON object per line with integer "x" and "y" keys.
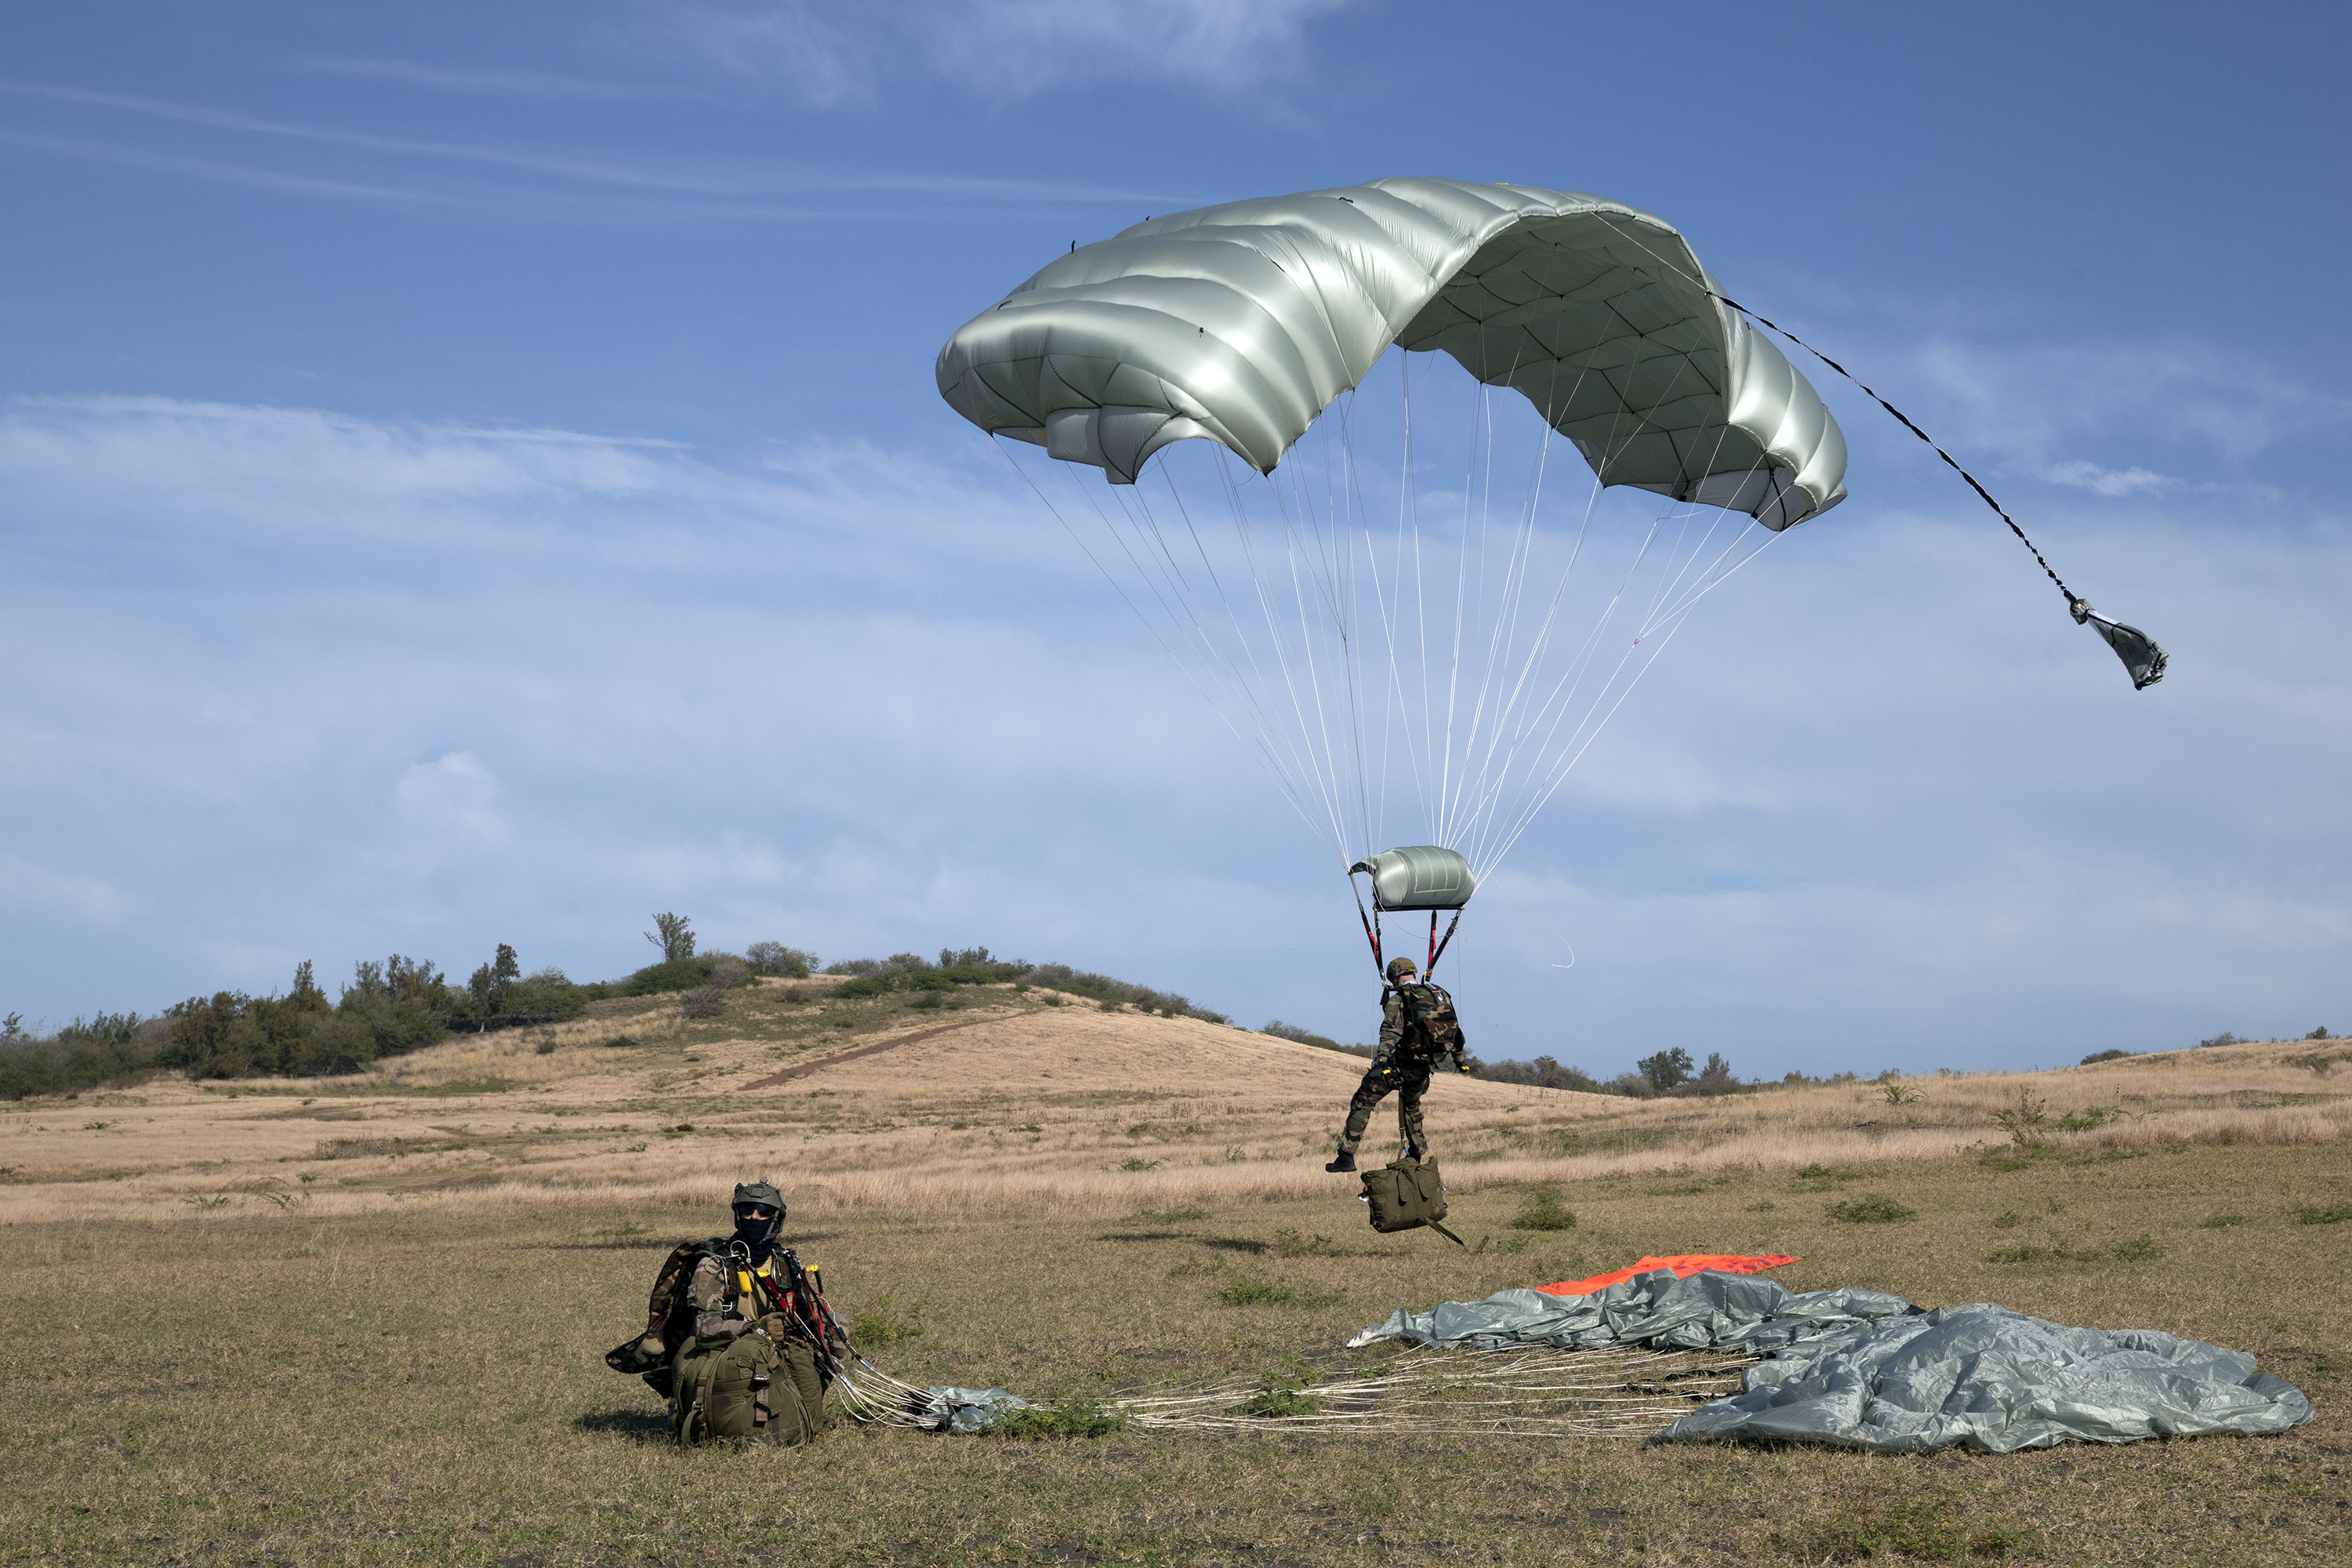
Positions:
{"x": 1003, "y": 49}
{"x": 2110, "y": 482}
{"x": 451, "y": 803}
{"x": 288, "y": 683}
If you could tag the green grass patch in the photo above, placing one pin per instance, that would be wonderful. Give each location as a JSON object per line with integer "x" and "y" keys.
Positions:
{"x": 1871, "y": 1209}
{"x": 1073, "y": 1416}
{"x": 1544, "y": 1211}
{"x": 2221, "y": 1221}
{"x": 2323, "y": 1214}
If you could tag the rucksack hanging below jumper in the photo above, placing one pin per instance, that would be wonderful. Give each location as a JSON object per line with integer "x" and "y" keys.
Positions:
{"x": 1407, "y": 1193}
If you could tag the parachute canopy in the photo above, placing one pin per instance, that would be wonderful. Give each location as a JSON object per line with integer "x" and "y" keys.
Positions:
{"x": 1419, "y": 876}
{"x": 1240, "y": 323}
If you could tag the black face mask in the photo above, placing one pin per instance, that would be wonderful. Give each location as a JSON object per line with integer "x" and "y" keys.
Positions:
{"x": 756, "y": 1226}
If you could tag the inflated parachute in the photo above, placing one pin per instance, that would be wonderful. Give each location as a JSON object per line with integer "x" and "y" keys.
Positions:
{"x": 1241, "y": 323}
{"x": 1379, "y": 580}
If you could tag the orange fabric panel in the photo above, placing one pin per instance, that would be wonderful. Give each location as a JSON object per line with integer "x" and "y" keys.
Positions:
{"x": 1684, "y": 1264}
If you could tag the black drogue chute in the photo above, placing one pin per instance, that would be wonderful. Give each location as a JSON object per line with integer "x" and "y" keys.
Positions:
{"x": 1415, "y": 877}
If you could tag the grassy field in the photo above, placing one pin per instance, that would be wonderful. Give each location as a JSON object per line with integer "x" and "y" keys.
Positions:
{"x": 397, "y": 1358}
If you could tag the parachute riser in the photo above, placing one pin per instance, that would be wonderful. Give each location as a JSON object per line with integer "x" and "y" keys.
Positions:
{"x": 1371, "y": 929}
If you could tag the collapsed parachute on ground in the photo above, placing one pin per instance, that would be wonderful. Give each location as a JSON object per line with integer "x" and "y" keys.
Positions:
{"x": 1860, "y": 1369}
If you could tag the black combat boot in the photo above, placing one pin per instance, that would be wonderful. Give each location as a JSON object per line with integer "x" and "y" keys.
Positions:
{"x": 1341, "y": 1163}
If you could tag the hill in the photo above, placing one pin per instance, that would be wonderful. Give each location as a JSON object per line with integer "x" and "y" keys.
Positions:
{"x": 1011, "y": 1097}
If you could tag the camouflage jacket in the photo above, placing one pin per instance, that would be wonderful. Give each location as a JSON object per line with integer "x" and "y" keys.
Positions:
{"x": 715, "y": 1295}
{"x": 1398, "y": 1040}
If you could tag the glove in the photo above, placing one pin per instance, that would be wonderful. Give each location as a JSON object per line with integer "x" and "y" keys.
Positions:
{"x": 775, "y": 1325}
{"x": 1461, "y": 1064}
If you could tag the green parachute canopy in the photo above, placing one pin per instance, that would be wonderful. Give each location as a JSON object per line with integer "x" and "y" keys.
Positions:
{"x": 1240, "y": 323}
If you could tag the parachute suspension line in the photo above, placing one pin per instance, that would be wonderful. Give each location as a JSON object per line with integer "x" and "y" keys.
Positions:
{"x": 1243, "y": 689}
{"x": 2149, "y": 667}
{"x": 1265, "y": 760}
{"x": 1476, "y": 787}
{"x": 1572, "y": 676}
{"x": 1317, "y": 764}
{"x": 1307, "y": 623}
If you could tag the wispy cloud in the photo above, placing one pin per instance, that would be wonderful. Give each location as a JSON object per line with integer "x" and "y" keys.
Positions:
{"x": 2039, "y": 405}
{"x": 1000, "y": 49}
{"x": 557, "y": 182}
{"x": 523, "y": 84}
{"x": 292, "y": 683}
{"x": 2110, "y": 482}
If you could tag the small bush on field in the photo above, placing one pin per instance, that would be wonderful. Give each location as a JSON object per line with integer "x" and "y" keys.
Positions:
{"x": 1283, "y": 1392}
{"x": 1134, "y": 1163}
{"x": 2026, "y": 1122}
{"x": 1871, "y": 1209}
{"x": 2031, "y": 1254}
{"x": 2221, "y": 1221}
{"x": 1248, "y": 1290}
{"x": 2008, "y": 1219}
{"x": 885, "y": 1320}
{"x": 1077, "y": 1415}
{"x": 2090, "y": 1117}
{"x": 2106, "y": 1056}
{"x": 2326, "y": 1214}
{"x": 2140, "y": 1248}
{"x": 1544, "y": 1211}
{"x": 1291, "y": 1242}
{"x": 1926, "y": 1527}
{"x": 1818, "y": 1178}
{"x": 1171, "y": 1216}
{"x": 702, "y": 1002}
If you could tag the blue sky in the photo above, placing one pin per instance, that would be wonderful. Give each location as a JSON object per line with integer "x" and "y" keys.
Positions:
{"x": 473, "y": 475}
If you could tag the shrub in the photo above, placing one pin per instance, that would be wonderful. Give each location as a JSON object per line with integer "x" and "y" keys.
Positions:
{"x": 670, "y": 974}
{"x": 1544, "y": 1072}
{"x": 1667, "y": 1070}
{"x": 2110, "y": 1055}
{"x": 869, "y": 985}
{"x": 1544, "y": 1211}
{"x": 1283, "y": 1392}
{"x": 885, "y": 1320}
{"x": 776, "y": 958}
{"x": 703, "y": 1001}
{"x": 2328, "y": 1213}
{"x": 2025, "y": 1122}
{"x": 2142, "y": 1249}
{"x": 2090, "y": 1117}
{"x": 1282, "y": 1031}
{"x": 2223, "y": 1038}
{"x": 1871, "y": 1209}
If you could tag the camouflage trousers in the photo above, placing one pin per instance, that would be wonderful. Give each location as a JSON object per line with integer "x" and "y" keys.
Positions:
{"x": 1392, "y": 1073}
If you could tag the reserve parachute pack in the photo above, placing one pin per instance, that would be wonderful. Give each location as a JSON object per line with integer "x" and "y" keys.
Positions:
{"x": 1406, "y": 1194}
{"x": 1430, "y": 1019}
{"x": 746, "y": 1387}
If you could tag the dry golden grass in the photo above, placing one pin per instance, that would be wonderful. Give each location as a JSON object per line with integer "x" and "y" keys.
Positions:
{"x": 359, "y": 1321}
{"x": 1021, "y": 1107}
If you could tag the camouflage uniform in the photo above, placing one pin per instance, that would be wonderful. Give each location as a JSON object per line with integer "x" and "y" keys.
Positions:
{"x": 723, "y": 1310}
{"x": 1402, "y": 1064}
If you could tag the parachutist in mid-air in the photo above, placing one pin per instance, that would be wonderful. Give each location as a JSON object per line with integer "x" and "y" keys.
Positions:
{"x": 1418, "y": 1028}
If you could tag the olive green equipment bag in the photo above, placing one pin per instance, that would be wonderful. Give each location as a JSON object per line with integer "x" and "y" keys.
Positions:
{"x": 1406, "y": 1194}
{"x": 746, "y": 1387}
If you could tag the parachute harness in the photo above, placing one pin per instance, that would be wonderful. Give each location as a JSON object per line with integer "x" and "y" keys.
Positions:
{"x": 2141, "y": 654}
